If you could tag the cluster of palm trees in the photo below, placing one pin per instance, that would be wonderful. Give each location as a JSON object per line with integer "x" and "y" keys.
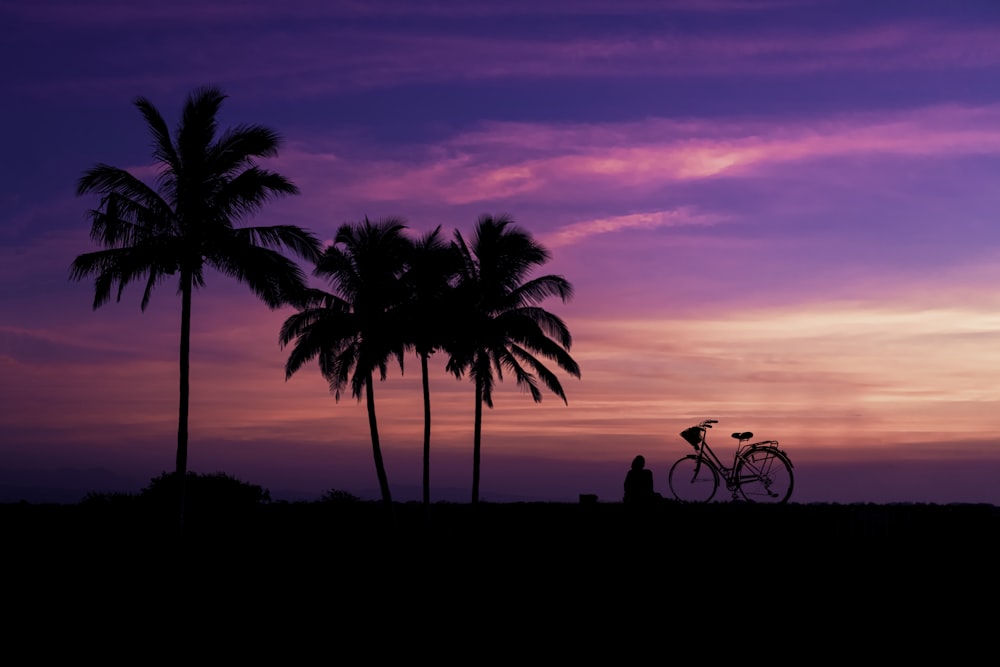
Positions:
{"x": 389, "y": 294}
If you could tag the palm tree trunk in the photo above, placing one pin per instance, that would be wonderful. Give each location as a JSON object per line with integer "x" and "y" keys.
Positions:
{"x": 427, "y": 430}
{"x": 477, "y": 434}
{"x": 182, "y": 418}
{"x": 383, "y": 480}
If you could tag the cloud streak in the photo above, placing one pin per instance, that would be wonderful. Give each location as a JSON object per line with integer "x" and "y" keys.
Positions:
{"x": 318, "y": 49}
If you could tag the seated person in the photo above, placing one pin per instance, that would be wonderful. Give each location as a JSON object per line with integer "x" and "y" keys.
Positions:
{"x": 639, "y": 483}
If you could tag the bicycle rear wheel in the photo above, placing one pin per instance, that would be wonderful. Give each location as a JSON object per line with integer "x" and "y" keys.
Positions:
{"x": 765, "y": 476}
{"x": 693, "y": 479}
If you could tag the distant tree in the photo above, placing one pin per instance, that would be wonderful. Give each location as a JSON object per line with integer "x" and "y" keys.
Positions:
{"x": 499, "y": 326}
{"x": 206, "y": 184}
{"x": 355, "y": 330}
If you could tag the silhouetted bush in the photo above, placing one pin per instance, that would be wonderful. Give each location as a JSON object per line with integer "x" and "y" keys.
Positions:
{"x": 205, "y": 491}
{"x": 108, "y": 499}
{"x": 338, "y": 496}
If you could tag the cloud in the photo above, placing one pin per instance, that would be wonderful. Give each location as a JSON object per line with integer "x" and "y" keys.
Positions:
{"x": 114, "y": 12}
{"x": 581, "y": 230}
{"x": 309, "y": 50}
{"x": 634, "y": 175}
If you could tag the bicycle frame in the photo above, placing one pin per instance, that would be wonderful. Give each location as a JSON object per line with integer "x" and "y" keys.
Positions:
{"x": 728, "y": 472}
{"x": 760, "y": 471}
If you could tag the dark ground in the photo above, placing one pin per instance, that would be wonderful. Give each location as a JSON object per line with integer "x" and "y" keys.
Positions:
{"x": 567, "y": 579}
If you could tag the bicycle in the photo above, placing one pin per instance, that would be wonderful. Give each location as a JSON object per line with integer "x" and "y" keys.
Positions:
{"x": 761, "y": 472}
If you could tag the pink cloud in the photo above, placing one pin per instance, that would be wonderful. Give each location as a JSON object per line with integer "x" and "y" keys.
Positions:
{"x": 620, "y": 169}
{"x": 572, "y": 233}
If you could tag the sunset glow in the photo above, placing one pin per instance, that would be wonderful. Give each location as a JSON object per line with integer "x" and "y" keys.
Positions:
{"x": 780, "y": 215}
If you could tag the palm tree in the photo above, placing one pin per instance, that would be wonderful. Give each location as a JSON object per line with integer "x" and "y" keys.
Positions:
{"x": 501, "y": 327}
{"x": 433, "y": 268}
{"x": 188, "y": 222}
{"x": 354, "y": 331}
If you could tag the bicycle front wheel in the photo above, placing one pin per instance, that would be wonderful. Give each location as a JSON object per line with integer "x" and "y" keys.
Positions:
{"x": 765, "y": 476}
{"x": 693, "y": 479}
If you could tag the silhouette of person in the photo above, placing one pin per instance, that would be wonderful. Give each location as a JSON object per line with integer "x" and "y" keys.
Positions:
{"x": 639, "y": 483}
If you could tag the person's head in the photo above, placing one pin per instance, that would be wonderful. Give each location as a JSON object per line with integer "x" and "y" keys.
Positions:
{"x": 638, "y": 463}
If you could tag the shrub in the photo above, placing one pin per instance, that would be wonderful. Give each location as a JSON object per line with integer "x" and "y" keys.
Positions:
{"x": 214, "y": 490}
{"x": 338, "y": 496}
{"x": 105, "y": 499}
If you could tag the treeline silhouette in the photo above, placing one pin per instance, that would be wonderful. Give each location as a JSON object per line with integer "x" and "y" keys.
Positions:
{"x": 390, "y": 295}
{"x": 225, "y": 505}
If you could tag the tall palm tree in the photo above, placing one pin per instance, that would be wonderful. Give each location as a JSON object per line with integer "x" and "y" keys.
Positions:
{"x": 433, "y": 267}
{"x": 356, "y": 329}
{"x": 207, "y": 184}
{"x": 501, "y": 326}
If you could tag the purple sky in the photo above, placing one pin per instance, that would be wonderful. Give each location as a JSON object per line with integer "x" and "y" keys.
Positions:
{"x": 779, "y": 214}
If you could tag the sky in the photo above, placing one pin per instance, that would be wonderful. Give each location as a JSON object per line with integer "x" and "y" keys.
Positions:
{"x": 781, "y": 214}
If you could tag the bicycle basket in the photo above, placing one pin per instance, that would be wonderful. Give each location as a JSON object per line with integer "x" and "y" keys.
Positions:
{"x": 693, "y": 435}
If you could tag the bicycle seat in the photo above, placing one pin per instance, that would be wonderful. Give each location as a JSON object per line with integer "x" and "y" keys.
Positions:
{"x": 746, "y": 435}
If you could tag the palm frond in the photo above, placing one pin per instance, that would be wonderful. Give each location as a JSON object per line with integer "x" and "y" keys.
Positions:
{"x": 336, "y": 367}
{"x": 308, "y": 342}
{"x": 197, "y": 129}
{"x": 303, "y": 323}
{"x": 526, "y": 381}
{"x": 164, "y": 151}
{"x": 336, "y": 264}
{"x": 316, "y": 332}
{"x": 105, "y": 179}
{"x": 238, "y": 145}
{"x": 469, "y": 270}
{"x": 538, "y": 289}
{"x": 534, "y": 323}
{"x": 116, "y": 266}
{"x": 541, "y": 371}
{"x": 246, "y": 193}
{"x": 302, "y": 242}
{"x": 274, "y": 278}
